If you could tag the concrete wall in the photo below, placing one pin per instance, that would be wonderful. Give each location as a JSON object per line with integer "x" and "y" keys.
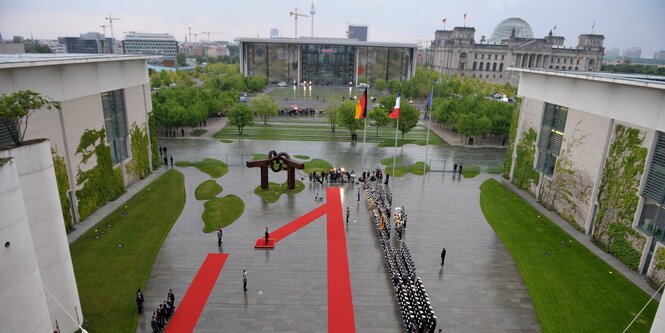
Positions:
{"x": 23, "y": 308}
{"x": 47, "y": 229}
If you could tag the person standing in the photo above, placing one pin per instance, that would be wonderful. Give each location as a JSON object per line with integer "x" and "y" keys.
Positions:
{"x": 443, "y": 256}
{"x": 460, "y": 169}
{"x": 267, "y": 234}
{"x": 166, "y": 161}
{"x": 358, "y": 194}
{"x": 160, "y": 150}
{"x": 219, "y": 236}
{"x": 171, "y": 297}
{"x": 387, "y": 178}
{"x": 172, "y": 161}
{"x": 244, "y": 279}
{"x": 164, "y": 149}
{"x": 348, "y": 212}
{"x": 455, "y": 168}
{"x": 139, "y": 300}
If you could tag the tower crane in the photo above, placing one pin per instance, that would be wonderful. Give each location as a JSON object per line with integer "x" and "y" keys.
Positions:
{"x": 295, "y": 15}
{"x": 103, "y": 29}
{"x": 111, "y": 19}
{"x": 211, "y": 32}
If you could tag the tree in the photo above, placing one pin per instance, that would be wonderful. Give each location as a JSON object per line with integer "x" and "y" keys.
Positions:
{"x": 256, "y": 83}
{"x": 264, "y": 107}
{"x": 15, "y": 109}
{"x": 380, "y": 85}
{"x": 331, "y": 114}
{"x": 469, "y": 125}
{"x": 408, "y": 117}
{"x": 379, "y": 117}
{"x": 181, "y": 58}
{"x": 346, "y": 117}
{"x": 241, "y": 116}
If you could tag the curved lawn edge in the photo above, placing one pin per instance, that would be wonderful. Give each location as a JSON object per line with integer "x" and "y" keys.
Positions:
{"x": 107, "y": 276}
{"x": 572, "y": 289}
{"x": 207, "y": 190}
{"x": 213, "y": 167}
{"x": 275, "y": 191}
{"x": 222, "y": 212}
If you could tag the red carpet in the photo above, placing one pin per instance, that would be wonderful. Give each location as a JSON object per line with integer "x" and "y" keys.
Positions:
{"x": 290, "y": 228}
{"x": 340, "y": 298}
{"x": 261, "y": 243}
{"x": 188, "y": 311}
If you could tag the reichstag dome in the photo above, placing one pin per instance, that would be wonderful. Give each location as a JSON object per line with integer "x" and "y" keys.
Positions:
{"x": 505, "y": 28}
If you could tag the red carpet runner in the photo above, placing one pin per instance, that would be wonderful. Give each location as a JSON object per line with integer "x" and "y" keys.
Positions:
{"x": 188, "y": 311}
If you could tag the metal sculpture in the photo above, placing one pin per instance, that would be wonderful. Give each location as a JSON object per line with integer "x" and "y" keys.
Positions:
{"x": 277, "y": 162}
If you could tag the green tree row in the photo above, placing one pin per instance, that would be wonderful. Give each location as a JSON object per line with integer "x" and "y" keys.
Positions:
{"x": 473, "y": 115}
{"x": 634, "y": 69}
{"x": 189, "y": 105}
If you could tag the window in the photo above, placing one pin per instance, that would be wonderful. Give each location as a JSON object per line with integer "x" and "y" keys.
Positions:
{"x": 463, "y": 55}
{"x": 115, "y": 121}
{"x": 475, "y": 56}
{"x": 494, "y": 67}
{"x": 475, "y": 64}
{"x": 496, "y": 56}
{"x": 551, "y": 137}
{"x": 652, "y": 220}
{"x": 501, "y": 67}
{"x": 461, "y": 65}
{"x": 480, "y": 68}
{"x": 482, "y": 56}
{"x": 502, "y": 57}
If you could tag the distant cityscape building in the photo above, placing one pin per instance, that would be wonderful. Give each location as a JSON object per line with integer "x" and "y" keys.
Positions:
{"x": 612, "y": 52}
{"x": 633, "y": 52}
{"x": 505, "y": 29}
{"x": 91, "y": 42}
{"x": 455, "y": 52}
{"x": 12, "y": 48}
{"x": 358, "y": 32}
{"x": 56, "y": 46}
{"x": 274, "y": 32}
{"x": 660, "y": 55}
{"x": 326, "y": 61}
{"x": 162, "y": 44}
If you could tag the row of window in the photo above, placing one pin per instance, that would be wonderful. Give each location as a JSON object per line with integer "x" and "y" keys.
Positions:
{"x": 487, "y": 76}
{"x": 486, "y": 67}
{"x": 489, "y": 56}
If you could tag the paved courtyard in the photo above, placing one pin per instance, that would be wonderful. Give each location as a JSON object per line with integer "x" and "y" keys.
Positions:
{"x": 479, "y": 290}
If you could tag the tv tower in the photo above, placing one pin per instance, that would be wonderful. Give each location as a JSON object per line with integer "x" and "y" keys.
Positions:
{"x": 312, "y": 12}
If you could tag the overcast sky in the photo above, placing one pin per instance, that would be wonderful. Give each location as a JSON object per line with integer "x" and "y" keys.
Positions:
{"x": 624, "y": 23}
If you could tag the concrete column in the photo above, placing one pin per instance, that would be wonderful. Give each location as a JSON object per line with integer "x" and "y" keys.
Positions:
{"x": 36, "y": 176}
{"x": 24, "y": 303}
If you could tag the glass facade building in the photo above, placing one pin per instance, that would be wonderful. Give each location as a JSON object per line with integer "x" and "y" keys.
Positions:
{"x": 326, "y": 61}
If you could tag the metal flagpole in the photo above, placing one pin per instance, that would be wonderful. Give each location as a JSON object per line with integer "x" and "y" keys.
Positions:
{"x": 395, "y": 153}
{"x": 364, "y": 135}
{"x": 429, "y": 122}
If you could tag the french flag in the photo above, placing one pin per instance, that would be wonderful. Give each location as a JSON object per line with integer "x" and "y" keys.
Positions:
{"x": 395, "y": 113}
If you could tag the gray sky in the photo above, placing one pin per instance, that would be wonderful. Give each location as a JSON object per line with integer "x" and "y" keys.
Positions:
{"x": 624, "y": 23}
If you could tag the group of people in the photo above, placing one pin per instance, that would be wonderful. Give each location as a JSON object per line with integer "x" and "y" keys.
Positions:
{"x": 414, "y": 303}
{"x": 457, "y": 169}
{"x": 333, "y": 176}
{"x": 163, "y": 312}
{"x": 162, "y": 152}
{"x": 299, "y": 112}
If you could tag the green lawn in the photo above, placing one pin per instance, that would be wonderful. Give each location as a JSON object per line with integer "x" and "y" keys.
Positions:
{"x": 470, "y": 171}
{"x": 401, "y": 170}
{"x": 275, "y": 191}
{"x": 317, "y": 165}
{"x": 301, "y": 157}
{"x": 389, "y": 160}
{"x": 199, "y": 132}
{"x": 225, "y": 141}
{"x": 214, "y": 168}
{"x": 222, "y": 211}
{"x": 208, "y": 190}
{"x": 572, "y": 289}
{"x": 108, "y": 275}
{"x": 317, "y": 129}
{"x": 495, "y": 169}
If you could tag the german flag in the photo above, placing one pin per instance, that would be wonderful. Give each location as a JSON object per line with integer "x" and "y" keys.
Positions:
{"x": 361, "y": 106}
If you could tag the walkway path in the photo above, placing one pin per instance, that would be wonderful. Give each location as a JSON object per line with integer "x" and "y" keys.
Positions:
{"x": 637, "y": 279}
{"x": 454, "y": 139}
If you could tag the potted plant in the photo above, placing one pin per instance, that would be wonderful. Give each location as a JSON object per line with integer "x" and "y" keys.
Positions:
{"x": 16, "y": 109}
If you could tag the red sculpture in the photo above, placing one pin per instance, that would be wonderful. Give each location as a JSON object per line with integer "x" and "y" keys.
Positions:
{"x": 277, "y": 162}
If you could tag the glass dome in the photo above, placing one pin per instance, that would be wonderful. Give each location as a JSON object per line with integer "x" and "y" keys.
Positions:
{"x": 505, "y": 28}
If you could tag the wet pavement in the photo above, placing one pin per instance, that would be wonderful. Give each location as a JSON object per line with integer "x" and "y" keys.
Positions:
{"x": 479, "y": 290}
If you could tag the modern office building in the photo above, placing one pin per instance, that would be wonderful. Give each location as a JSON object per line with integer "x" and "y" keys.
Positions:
{"x": 326, "y": 61}
{"x": 456, "y": 52}
{"x": 660, "y": 55}
{"x": 12, "y": 48}
{"x": 95, "y": 92}
{"x": 593, "y": 146}
{"x": 357, "y": 31}
{"x": 151, "y": 43}
{"x": 633, "y": 52}
{"x": 91, "y": 42}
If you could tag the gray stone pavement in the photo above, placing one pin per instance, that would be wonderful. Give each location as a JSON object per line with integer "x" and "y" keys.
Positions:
{"x": 479, "y": 290}
{"x": 637, "y": 279}
{"x": 456, "y": 139}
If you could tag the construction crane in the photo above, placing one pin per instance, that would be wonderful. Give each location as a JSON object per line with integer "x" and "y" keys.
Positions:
{"x": 111, "y": 19}
{"x": 295, "y": 15}
{"x": 211, "y": 32}
{"x": 103, "y": 29}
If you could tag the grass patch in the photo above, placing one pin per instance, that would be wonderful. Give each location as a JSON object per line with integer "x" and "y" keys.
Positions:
{"x": 222, "y": 211}
{"x": 225, "y": 141}
{"x": 572, "y": 290}
{"x": 400, "y": 170}
{"x": 400, "y": 142}
{"x": 105, "y": 273}
{"x": 417, "y": 168}
{"x": 389, "y": 160}
{"x": 470, "y": 171}
{"x": 317, "y": 165}
{"x": 301, "y": 157}
{"x": 256, "y": 157}
{"x": 275, "y": 191}
{"x": 208, "y": 190}
{"x": 199, "y": 132}
{"x": 214, "y": 168}
{"x": 495, "y": 169}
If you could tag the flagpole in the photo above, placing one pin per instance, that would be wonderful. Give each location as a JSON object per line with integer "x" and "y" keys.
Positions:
{"x": 395, "y": 153}
{"x": 429, "y": 121}
{"x": 364, "y": 136}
